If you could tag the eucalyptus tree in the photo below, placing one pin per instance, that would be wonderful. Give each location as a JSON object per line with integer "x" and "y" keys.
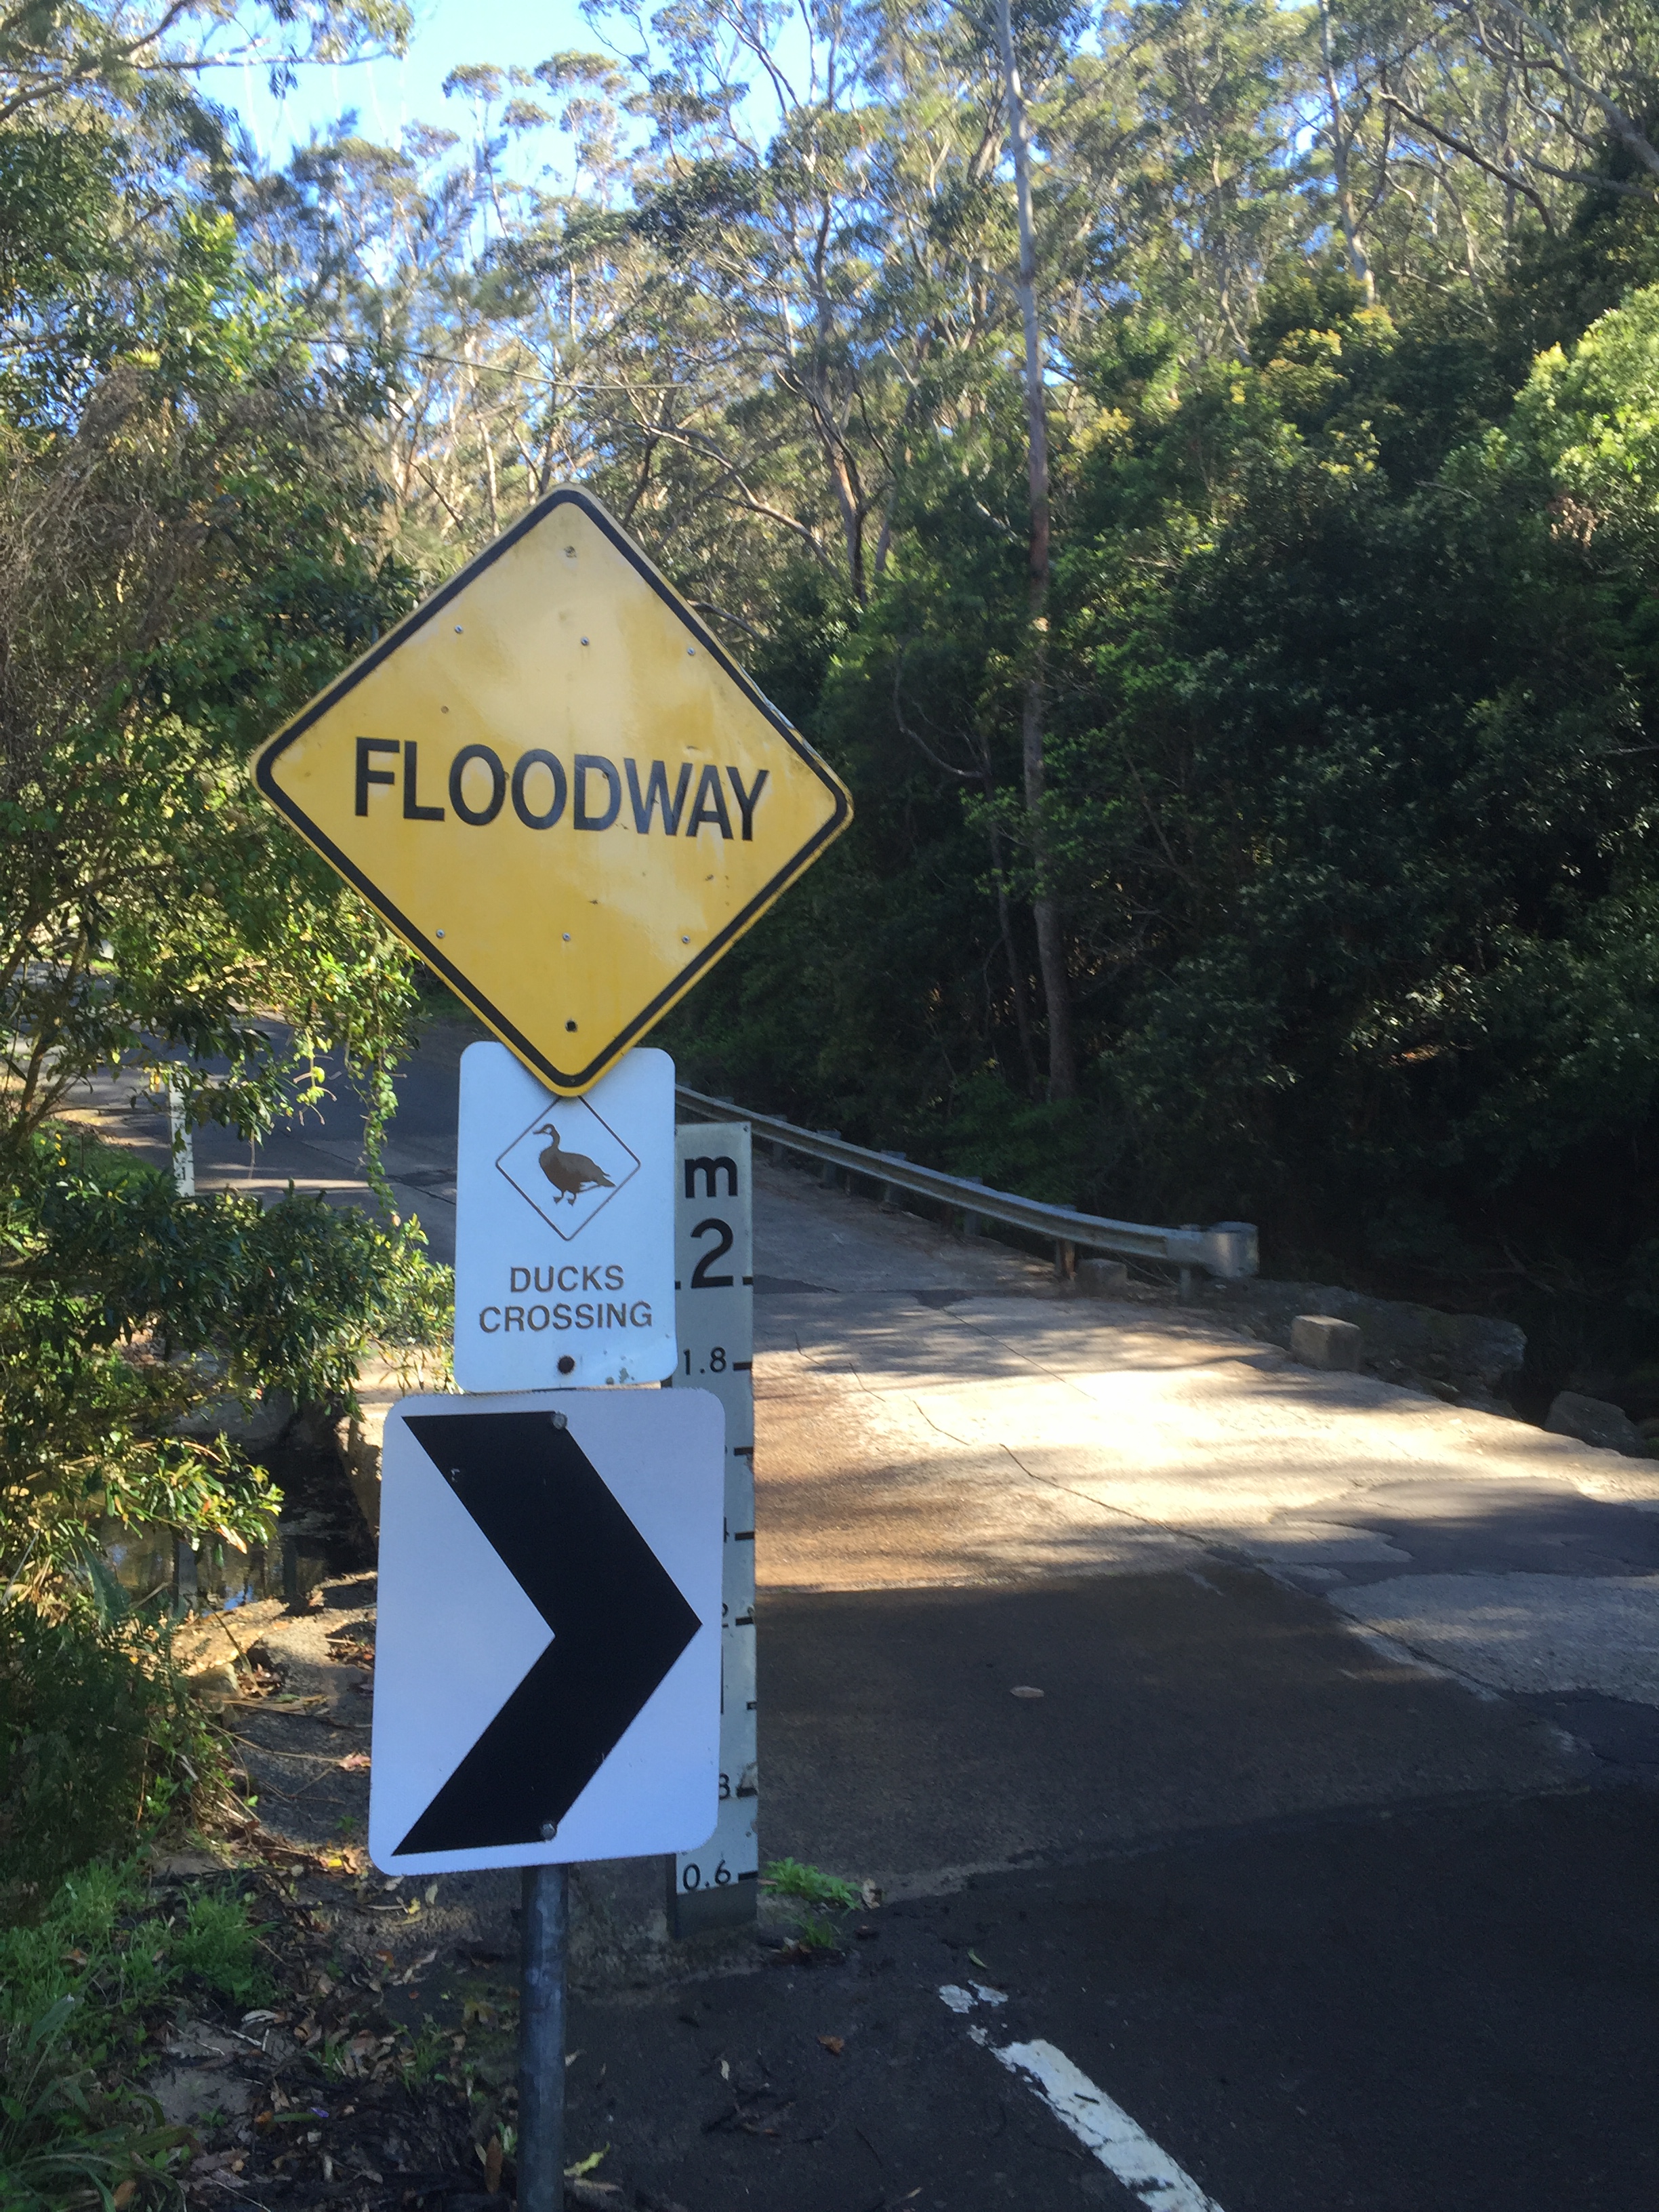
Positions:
{"x": 153, "y": 55}
{"x": 1450, "y": 130}
{"x": 187, "y": 548}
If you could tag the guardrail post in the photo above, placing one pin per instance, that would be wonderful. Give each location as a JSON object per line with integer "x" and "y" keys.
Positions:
{"x": 1065, "y": 1259}
{"x": 972, "y": 1225}
{"x": 1231, "y": 1250}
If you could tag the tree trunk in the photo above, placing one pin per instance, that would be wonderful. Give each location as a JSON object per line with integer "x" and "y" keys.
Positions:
{"x": 1016, "y": 965}
{"x": 1051, "y": 946}
{"x": 1341, "y": 174}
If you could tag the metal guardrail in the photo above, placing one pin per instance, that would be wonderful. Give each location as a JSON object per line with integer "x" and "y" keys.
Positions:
{"x": 1227, "y": 1250}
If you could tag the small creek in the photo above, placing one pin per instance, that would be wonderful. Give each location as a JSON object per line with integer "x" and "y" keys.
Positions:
{"x": 320, "y": 1536}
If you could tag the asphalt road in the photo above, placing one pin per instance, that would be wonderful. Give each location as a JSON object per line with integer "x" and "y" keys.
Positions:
{"x": 316, "y": 1150}
{"x": 1429, "y": 2007}
{"x": 1322, "y": 1871}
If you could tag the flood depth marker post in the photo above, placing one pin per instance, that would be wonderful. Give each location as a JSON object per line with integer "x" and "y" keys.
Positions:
{"x": 555, "y": 786}
{"x": 717, "y": 1885}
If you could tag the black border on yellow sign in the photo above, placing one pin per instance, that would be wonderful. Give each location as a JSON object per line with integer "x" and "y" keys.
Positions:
{"x": 570, "y": 1081}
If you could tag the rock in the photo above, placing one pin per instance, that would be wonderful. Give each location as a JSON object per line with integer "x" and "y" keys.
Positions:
{"x": 1102, "y": 1279}
{"x": 1473, "y": 1353}
{"x": 200, "y": 2084}
{"x": 181, "y": 1866}
{"x": 256, "y": 1428}
{"x": 1593, "y": 1421}
{"x": 1321, "y": 1340}
{"x": 212, "y": 1683}
{"x": 380, "y": 1383}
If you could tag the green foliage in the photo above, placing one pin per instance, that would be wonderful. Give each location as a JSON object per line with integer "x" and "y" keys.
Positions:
{"x": 64, "y": 2138}
{"x": 188, "y": 548}
{"x": 75, "y": 1986}
{"x": 99, "y": 1742}
{"x": 125, "y": 1309}
{"x": 1586, "y": 429}
{"x": 216, "y": 1947}
{"x": 816, "y": 1934}
{"x": 794, "y": 1878}
{"x": 1356, "y": 676}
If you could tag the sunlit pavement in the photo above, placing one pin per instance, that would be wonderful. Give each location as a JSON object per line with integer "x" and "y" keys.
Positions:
{"x": 1326, "y": 1858}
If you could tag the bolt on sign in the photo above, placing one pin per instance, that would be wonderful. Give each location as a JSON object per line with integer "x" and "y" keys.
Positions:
{"x": 557, "y": 788}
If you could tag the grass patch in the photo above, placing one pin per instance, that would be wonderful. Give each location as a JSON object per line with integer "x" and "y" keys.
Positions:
{"x": 793, "y": 1878}
{"x": 816, "y": 1934}
{"x": 216, "y": 1947}
{"x": 78, "y": 1987}
{"x": 824, "y": 1892}
{"x": 99, "y": 1743}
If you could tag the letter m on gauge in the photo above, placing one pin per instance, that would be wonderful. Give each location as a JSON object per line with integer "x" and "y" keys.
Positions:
{"x": 555, "y": 787}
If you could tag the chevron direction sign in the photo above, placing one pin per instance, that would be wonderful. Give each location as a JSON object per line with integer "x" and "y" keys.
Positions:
{"x": 548, "y": 1661}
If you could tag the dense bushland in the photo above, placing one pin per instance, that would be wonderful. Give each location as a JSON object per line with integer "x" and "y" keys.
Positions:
{"x": 1339, "y": 781}
{"x": 187, "y": 547}
{"x": 1256, "y": 821}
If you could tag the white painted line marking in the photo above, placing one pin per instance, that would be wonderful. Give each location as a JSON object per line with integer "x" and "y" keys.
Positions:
{"x": 961, "y": 2000}
{"x": 1124, "y": 2148}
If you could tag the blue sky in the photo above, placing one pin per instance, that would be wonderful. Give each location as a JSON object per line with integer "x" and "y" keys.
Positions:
{"x": 388, "y": 94}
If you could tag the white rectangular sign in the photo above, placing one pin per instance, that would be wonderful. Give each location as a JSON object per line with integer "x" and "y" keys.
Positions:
{"x": 547, "y": 1672}
{"x": 564, "y": 1260}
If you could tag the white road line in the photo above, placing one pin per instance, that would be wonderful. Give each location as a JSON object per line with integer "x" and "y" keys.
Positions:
{"x": 961, "y": 2000}
{"x": 1124, "y": 2148}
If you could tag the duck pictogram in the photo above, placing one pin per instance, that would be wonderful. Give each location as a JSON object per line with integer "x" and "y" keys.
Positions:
{"x": 570, "y": 1173}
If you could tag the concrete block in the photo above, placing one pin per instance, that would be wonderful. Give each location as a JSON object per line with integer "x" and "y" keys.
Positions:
{"x": 1101, "y": 1278}
{"x": 1321, "y": 1340}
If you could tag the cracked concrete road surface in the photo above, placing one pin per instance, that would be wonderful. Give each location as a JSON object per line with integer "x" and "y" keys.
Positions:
{"x": 1322, "y": 1872}
{"x": 982, "y": 1431}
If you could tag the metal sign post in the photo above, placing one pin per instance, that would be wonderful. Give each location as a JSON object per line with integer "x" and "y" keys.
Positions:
{"x": 541, "y": 2040}
{"x": 717, "y": 1885}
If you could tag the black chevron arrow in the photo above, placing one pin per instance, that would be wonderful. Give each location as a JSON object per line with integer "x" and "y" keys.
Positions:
{"x": 619, "y": 1623}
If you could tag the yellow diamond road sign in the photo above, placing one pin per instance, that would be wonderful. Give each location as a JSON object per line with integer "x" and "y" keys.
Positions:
{"x": 557, "y": 789}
